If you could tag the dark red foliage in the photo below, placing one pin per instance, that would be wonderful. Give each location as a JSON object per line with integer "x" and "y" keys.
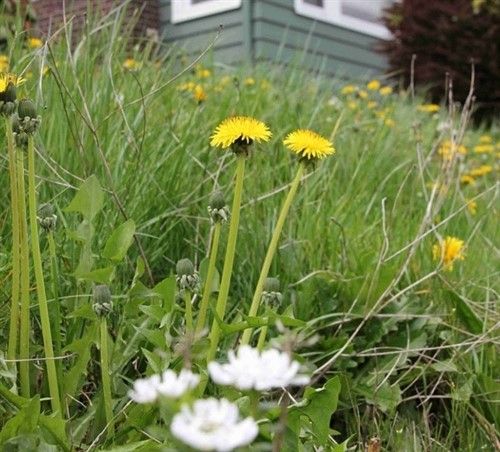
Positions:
{"x": 446, "y": 36}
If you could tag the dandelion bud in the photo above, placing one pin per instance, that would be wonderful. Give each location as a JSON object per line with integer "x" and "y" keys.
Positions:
{"x": 103, "y": 304}
{"x": 28, "y": 119}
{"x": 217, "y": 208}
{"x": 7, "y": 100}
{"x": 187, "y": 277}
{"x": 20, "y": 135}
{"x": 271, "y": 294}
{"x": 46, "y": 217}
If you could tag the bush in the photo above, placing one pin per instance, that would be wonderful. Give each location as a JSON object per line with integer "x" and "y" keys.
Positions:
{"x": 446, "y": 36}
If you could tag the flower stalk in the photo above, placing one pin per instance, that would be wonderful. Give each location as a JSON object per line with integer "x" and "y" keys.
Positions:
{"x": 40, "y": 283}
{"x": 207, "y": 290}
{"x": 189, "y": 311}
{"x": 105, "y": 376}
{"x": 220, "y": 307}
{"x": 254, "y": 307}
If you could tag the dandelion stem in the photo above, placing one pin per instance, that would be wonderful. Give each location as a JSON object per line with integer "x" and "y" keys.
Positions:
{"x": 254, "y": 307}
{"x": 14, "y": 310}
{"x": 40, "y": 283}
{"x": 106, "y": 381}
{"x": 220, "y": 307}
{"x": 207, "y": 290}
{"x": 189, "y": 310}
{"x": 24, "y": 324}
{"x": 262, "y": 338}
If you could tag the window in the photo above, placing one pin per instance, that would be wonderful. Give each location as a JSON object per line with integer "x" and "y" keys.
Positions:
{"x": 363, "y": 16}
{"x": 183, "y": 10}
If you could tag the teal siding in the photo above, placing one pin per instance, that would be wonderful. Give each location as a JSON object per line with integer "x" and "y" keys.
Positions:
{"x": 271, "y": 30}
{"x": 194, "y": 36}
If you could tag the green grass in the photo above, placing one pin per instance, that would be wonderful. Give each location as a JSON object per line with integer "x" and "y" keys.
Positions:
{"x": 414, "y": 346}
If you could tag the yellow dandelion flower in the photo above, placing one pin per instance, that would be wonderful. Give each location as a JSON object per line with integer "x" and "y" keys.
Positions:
{"x": 362, "y": 94}
{"x": 308, "y": 144}
{"x": 448, "y": 149}
{"x": 372, "y": 104}
{"x": 4, "y": 63}
{"x": 448, "y": 251}
{"x": 35, "y": 43}
{"x": 348, "y": 89}
{"x": 9, "y": 79}
{"x": 373, "y": 85}
{"x": 249, "y": 81}
{"x": 467, "y": 179}
{"x": 130, "y": 64}
{"x": 485, "y": 139}
{"x": 199, "y": 93}
{"x": 481, "y": 171}
{"x": 485, "y": 148}
{"x": 352, "y": 105}
{"x": 187, "y": 86}
{"x": 389, "y": 122}
{"x": 472, "y": 207}
{"x": 385, "y": 90}
{"x": 203, "y": 73}
{"x": 239, "y": 130}
{"x": 428, "y": 108}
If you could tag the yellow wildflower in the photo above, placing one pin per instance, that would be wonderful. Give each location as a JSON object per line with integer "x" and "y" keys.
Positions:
{"x": 448, "y": 251}
{"x": 35, "y": 43}
{"x": 481, "y": 171}
{"x": 373, "y": 85}
{"x": 467, "y": 179}
{"x": 485, "y": 139}
{"x": 372, "y": 104}
{"x": 187, "y": 86}
{"x": 202, "y": 72}
{"x": 199, "y": 93}
{"x": 308, "y": 144}
{"x": 249, "y": 81}
{"x": 238, "y": 130}
{"x": 389, "y": 122}
{"x": 4, "y": 63}
{"x": 362, "y": 94}
{"x": 9, "y": 79}
{"x": 448, "y": 149}
{"x": 472, "y": 207}
{"x": 385, "y": 90}
{"x": 348, "y": 89}
{"x": 428, "y": 108}
{"x": 352, "y": 105}
{"x": 131, "y": 64}
{"x": 484, "y": 148}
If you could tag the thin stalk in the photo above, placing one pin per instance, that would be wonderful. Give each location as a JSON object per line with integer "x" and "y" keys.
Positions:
{"x": 207, "y": 290}
{"x": 189, "y": 311}
{"x": 257, "y": 296}
{"x": 220, "y": 307}
{"x": 105, "y": 376}
{"x": 262, "y": 338}
{"x": 40, "y": 284}
{"x": 55, "y": 308}
{"x": 24, "y": 323}
{"x": 14, "y": 310}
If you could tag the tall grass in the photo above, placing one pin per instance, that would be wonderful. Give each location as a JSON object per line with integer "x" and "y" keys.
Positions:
{"x": 415, "y": 347}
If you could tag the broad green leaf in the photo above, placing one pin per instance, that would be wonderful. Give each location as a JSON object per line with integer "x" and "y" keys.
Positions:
{"x": 55, "y": 431}
{"x": 119, "y": 242}
{"x": 88, "y": 200}
{"x": 166, "y": 290}
{"x": 25, "y": 421}
{"x": 203, "y": 275}
{"x": 99, "y": 275}
{"x": 387, "y": 397}
{"x": 466, "y": 314}
{"x": 444, "y": 366}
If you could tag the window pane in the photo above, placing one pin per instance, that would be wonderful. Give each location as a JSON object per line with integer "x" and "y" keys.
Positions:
{"x": 314, "y": 2}
{"x": 368, "y": 10}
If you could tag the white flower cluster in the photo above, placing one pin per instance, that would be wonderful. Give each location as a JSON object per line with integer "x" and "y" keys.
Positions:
{"x": 212, "y": 424}
{"x": 251, "y": 369}
{"x": 168, "y": 384}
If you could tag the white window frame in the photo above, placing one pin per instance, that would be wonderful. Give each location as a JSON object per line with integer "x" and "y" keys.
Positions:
{"x": 331, "y": 12}
{"x": 184, "y": 10}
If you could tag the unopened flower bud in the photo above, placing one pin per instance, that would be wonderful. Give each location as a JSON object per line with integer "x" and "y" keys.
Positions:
{"x": 20, "y": 136}
{"x": 187, "y": 277}
{"x": 8, "y": 100}
{"x": 217, "y": 208}
{"x": 271, "y": 294}
{"x": 103, "y": 304}
{"x": 46, "y": 217}
{"x": 29, "y": 121}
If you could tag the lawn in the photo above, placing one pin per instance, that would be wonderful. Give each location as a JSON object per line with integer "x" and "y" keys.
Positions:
{"x": 387, "y": 260}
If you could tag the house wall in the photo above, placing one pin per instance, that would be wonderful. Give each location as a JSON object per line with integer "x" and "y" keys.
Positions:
{"x": 271, "y": 30}
{"x": 194, "y": 36}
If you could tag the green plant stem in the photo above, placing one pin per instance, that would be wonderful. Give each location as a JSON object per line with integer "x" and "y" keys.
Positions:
{"x": 14, "y": 203}
{"x": 207, "y": 290}
{"x": 40, "y": 284}
{"x": 55, "y": 309}
{"x": 220, "y": 306}
{"x": 262, "y": 338}
{"x": 106, "y": 381}
{"x": 189, "y": 311}
{"x": 24, "y": 323}
{"x": 254, "y": 307}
